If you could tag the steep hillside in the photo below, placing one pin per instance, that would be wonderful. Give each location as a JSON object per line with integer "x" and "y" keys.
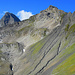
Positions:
{"x": 52, "y": 55}
{"x": 44, "y": 44}
{"x": 34, "y": 29}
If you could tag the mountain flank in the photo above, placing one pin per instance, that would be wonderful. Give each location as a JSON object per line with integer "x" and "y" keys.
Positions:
{"x": 44, "y": 44}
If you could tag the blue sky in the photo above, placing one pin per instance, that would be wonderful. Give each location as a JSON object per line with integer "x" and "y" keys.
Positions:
{"x": 27, "y": 8}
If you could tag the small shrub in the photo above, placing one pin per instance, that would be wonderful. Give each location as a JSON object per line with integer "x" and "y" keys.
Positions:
{"x": 67, "y": 27}
{"x": 62, "y": 16}
{"x": 69, "y": 19}
{"x": 70, "y": 30}
{"x": 44, "y": 32}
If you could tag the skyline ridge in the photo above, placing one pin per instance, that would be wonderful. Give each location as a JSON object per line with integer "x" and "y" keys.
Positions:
{"x": 35, "y": 6}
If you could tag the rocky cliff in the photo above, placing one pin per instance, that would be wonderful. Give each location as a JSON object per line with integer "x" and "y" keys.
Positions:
{"x": 41, "y": 45}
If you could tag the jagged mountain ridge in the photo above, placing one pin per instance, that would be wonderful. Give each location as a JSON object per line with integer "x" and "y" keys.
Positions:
{"x": 44, "y": 21}
{"x": 8, "y": 18}
{"x": 48, "y": 41}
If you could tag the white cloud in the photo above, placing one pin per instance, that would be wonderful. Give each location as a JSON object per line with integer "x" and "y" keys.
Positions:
{"x": 24, "y": 14}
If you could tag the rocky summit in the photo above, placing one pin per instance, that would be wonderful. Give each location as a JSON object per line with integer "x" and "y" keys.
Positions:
{"x": 44, "y": 44}
{"x": 8, "y": 18}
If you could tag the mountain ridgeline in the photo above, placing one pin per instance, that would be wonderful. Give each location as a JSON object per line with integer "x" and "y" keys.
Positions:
{"x": 44, "y": 44}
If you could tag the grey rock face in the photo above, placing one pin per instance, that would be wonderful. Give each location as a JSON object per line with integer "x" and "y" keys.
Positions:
{"x": 11, "y": 50}
{"x": 8, "y": 18}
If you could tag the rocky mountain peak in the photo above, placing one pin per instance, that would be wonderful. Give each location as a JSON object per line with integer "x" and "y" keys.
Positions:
{"x": 51, "y": 7}
{"x": 8, "y": 18}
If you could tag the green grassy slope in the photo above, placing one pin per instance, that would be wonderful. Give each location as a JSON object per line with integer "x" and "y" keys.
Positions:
{"x": 67, "y": 67}
{"x": 50, "y": 55}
